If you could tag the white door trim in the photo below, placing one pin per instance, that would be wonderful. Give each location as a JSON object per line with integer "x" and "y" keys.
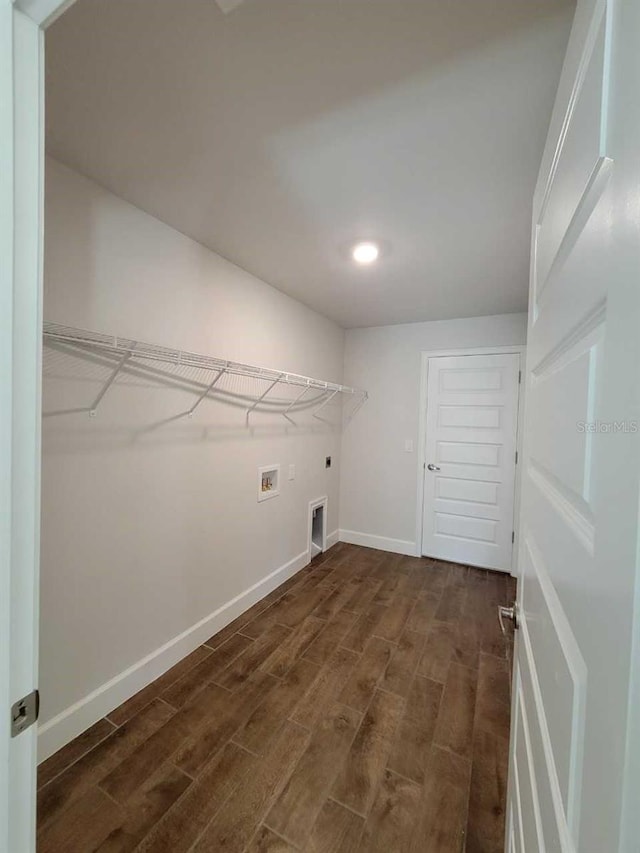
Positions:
{"x": 425, "y": 355}
{"x": 22, "y": 156}
{"x": 22, "y": 27}
{"x": 43, "y": 12}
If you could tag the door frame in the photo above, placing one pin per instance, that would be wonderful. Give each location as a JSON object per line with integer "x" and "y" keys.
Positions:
{"x": 425, "y": 356}
{"x": 22, "y": 26}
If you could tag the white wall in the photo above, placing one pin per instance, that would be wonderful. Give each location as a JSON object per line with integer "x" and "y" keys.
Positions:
{"x": 148, "y": 532}
{"x": 378, "y": 493}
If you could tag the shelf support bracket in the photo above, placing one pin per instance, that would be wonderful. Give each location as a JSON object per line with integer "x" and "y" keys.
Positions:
{"x": 293, "y": 403}
{"x": 206, "y": 391}
{"x": 121, "y": 363}
{"x": 263, "y": 395}
{"x": 325, "y": 403}
{"x": 356, "y": 408}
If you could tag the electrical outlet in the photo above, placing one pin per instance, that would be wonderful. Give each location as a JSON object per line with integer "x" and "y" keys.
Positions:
{"x": 292, "y": 471}
{"x": 327, "y": 462}
{"x": 408, "y": 445}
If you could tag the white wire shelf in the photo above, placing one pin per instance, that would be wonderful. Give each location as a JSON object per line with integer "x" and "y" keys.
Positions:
{"x": 126, "y": 354}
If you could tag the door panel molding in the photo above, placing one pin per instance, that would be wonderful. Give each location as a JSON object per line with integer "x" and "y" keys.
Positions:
{"x": 555, "y": 639}
{"x": 515, "y": 833}
{"x": 594, "y": 188}
{"x": 563, "y": 396}
{"x": 570, "y": 340}
{"x": 549, "y": 802}
{"x": 527, "y": 786}
{"x": 559, "y": 223}
{"x": 579, "y": 520}
{"x": 594, "y": 26}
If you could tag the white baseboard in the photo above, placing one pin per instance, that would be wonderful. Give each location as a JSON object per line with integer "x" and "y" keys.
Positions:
{"x": 382, "y": 543}
{"x": 71, "y": 722}
{"x": 333, "y": 539}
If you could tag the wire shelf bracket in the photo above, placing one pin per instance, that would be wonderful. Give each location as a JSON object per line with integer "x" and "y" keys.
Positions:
{"x": 293, "y": 403}
{"x": 262, "y": 396}
{"x": 123, "y": 360}
{"x": 206, "y": 391}
{"x": 326, "y": 402}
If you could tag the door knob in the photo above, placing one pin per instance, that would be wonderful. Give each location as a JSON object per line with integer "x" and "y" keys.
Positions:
{"x": 432, "y": 467}
{"x": 508, "y": 613}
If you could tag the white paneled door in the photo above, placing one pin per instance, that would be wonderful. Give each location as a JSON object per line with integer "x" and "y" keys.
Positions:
{"x": 575, "y": 750}
{"x": 470, "y": 453}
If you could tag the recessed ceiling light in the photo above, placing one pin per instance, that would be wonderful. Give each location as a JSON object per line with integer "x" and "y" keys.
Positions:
{"x": 365, "y": 253}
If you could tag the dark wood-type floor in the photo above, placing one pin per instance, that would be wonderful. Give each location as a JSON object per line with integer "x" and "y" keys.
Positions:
{"x": 362, "y": 706}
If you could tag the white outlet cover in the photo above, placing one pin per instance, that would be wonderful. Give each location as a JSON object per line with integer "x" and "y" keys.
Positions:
{"x": 292, "y": 471}
{"x": 408, "y": 445}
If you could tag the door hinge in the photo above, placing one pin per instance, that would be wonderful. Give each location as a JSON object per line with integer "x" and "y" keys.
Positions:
{"x": 516, "y": 457}
{"x": 24, "y": 712}
{"x": 513, "y": 536}
{"x": 519, "y": 377}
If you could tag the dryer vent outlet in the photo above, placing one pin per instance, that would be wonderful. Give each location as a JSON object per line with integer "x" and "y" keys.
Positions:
{"x": 317, "y": 531}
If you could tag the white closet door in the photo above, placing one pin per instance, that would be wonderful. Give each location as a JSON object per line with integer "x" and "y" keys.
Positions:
{"x": 472, "y": 414}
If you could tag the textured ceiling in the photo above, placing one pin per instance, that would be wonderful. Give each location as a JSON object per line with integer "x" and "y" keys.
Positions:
{"x": 283, "y": 131}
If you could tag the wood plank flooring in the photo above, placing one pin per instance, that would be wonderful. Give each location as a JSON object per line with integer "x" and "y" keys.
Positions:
{"x": 361, "y": 707}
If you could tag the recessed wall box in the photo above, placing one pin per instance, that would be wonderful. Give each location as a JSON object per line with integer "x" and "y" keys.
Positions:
{"x": 268, "y": 482}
